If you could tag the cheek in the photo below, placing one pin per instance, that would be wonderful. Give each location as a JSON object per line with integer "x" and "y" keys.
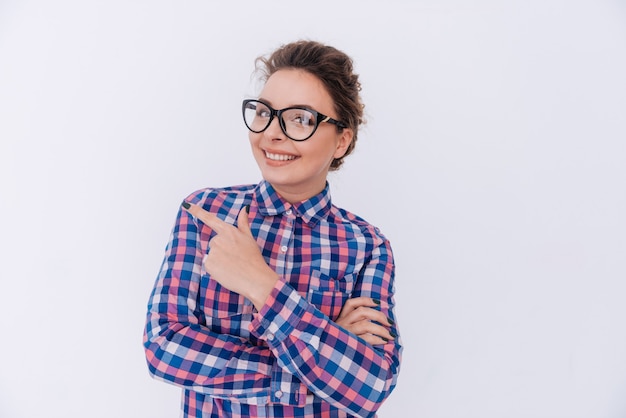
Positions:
{"x": 252, "y": 137}
{"x": 254, "y": 140}
{"x": 322, "y": 155}
{"x": 331, "y": 150}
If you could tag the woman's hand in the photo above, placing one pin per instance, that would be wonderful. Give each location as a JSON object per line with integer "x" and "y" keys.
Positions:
{"x": 359, "y": 317}
{"x": 234, "y": 259}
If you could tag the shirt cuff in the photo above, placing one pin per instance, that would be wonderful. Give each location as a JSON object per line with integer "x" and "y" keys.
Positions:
{"x": 280, "y": 315}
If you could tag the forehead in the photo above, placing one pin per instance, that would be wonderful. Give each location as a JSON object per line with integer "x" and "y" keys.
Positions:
{"x": 292, "y": 87}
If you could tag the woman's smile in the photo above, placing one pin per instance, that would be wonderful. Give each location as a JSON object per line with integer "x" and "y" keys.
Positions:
{"x": 277, "y": 156}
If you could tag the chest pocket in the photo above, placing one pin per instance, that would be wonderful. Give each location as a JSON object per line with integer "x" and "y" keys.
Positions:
{"x": 328, "y": 294}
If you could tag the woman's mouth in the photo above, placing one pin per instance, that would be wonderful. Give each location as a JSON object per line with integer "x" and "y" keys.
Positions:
{"x": 279, "y": 157}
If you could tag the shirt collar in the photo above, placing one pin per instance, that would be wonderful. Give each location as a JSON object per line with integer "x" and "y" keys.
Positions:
{"x": 312, "y": 210}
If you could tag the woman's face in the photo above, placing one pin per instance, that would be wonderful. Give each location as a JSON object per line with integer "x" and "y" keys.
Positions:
{"x": 298, "y": 170}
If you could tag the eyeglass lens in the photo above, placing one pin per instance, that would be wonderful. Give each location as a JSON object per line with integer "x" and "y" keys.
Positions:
{"x": 297, "y": 124}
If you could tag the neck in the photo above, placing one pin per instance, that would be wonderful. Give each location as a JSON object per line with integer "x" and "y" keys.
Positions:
{"x": 296, "y": 195}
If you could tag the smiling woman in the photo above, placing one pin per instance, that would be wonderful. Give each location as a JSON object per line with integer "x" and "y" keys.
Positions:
{"x": 272, "y": 301}
{"x": 297, "y": 168}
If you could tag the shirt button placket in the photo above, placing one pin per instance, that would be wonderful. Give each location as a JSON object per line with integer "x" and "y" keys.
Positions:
{"x": 287, "y": 232}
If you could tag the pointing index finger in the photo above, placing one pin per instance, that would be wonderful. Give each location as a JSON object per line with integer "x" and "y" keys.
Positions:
{"x": 207, "y": 218}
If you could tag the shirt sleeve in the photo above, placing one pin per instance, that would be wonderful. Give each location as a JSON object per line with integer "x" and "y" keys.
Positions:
{"x": 180, "y": 348}
{"x": 333, "y": 363}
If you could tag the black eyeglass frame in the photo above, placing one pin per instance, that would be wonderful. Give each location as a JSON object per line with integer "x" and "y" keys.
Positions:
{"x": 319, "y": 118}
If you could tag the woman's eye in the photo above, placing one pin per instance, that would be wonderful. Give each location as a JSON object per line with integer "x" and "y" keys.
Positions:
{"x": 302, "y": 119}
{"x": 263, "y": 113}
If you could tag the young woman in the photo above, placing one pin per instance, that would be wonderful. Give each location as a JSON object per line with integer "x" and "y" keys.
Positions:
{"x": 271, "y": 301}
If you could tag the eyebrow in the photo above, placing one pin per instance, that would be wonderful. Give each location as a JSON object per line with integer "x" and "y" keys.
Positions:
{"x": 307, "y": 106}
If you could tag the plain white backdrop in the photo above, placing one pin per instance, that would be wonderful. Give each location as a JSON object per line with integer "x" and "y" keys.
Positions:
{"x": 494, "y": 159}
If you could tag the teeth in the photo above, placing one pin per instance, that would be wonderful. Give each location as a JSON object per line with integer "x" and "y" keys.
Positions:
{"x": 279, "y": 157}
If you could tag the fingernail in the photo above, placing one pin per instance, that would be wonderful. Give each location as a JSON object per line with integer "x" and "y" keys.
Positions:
{"x": 393, "y": 334}
{"x": 247, "y": 208}
{"x": 376, "y": 301}
{"x": 391, "y": 321}
{"x": 384, "y": 339}
{"x": 186, "y": 205}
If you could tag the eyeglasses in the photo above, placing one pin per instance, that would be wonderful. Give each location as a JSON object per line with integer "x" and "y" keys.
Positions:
{"x": 298, "y": 123}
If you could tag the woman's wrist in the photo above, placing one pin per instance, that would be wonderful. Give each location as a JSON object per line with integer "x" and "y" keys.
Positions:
{"x": 262, "y": 288}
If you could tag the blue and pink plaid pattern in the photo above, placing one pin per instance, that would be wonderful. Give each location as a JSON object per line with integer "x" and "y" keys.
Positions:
{"x": 290, "y": 359}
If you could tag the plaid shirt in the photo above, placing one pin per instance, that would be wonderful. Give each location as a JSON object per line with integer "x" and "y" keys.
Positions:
{"x": 290, "y": 359}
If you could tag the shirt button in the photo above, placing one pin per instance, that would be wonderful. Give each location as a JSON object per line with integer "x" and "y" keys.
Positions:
{"x": 284, "y": 248}
{"x": 278, "y": 394}
{"x": 270, "y": 337}
{"x": 288, "y": 212}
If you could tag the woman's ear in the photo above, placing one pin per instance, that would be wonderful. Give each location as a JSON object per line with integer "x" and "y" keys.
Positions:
{"x": 345, "y": 139}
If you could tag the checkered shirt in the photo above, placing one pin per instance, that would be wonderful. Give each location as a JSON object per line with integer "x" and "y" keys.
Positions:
{"x": 290, "y": 359}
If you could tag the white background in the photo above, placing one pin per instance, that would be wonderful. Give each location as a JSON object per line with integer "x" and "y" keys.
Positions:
{"x": 494, "y": 159}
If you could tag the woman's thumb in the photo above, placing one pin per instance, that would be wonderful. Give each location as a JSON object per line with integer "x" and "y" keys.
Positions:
{"x": 242, "y": 220}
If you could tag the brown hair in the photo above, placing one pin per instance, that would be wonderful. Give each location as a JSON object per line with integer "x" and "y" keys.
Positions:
{"x": 334, "y": 68}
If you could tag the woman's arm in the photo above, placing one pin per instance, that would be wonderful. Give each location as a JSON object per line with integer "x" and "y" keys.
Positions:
{"x": 179, "y": 346}
{"x": 334, "y": 363}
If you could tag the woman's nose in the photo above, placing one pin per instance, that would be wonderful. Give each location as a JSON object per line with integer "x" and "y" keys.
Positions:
{"x": 274, "y": 131}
